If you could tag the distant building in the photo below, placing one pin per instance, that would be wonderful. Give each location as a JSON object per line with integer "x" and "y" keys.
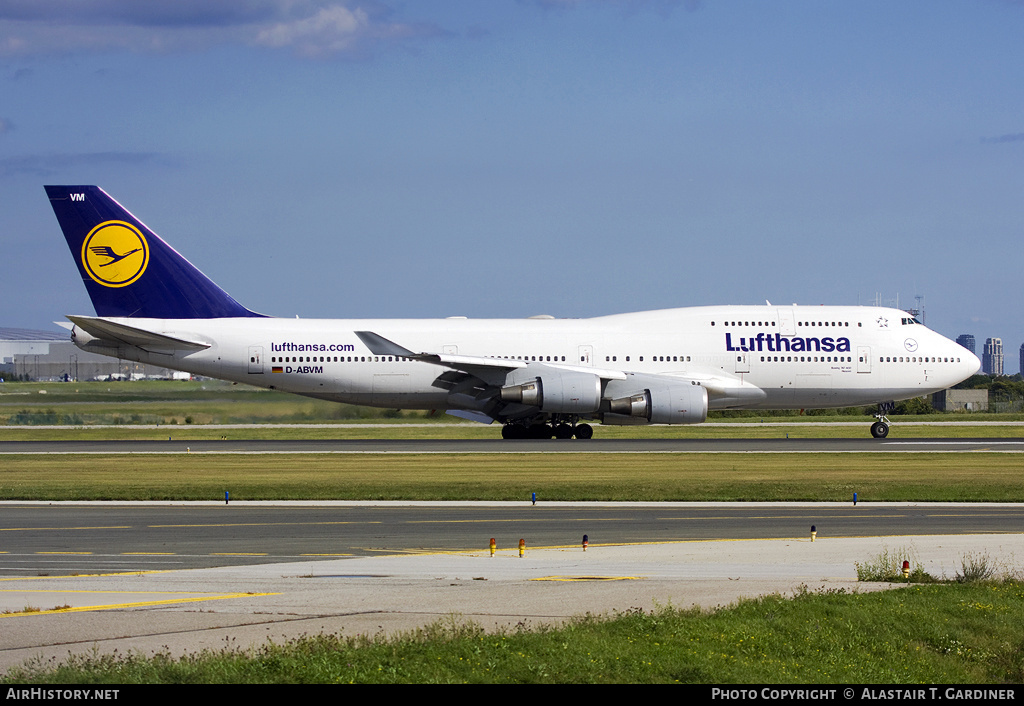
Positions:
{"x": 967, "y": 341}
{"x": 960, "y": 400}
{"x": 992, "y": 357}
{"x": 46, "y": 356}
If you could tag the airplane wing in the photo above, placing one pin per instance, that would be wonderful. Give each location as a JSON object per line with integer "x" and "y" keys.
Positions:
{"x": 479, "y": 382}
{"x": 476, "y": 382}
{"x": 110, "y": 331}
{"x": 491, "y": 370}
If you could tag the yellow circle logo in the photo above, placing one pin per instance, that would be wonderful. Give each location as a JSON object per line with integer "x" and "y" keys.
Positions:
{"x": 115, "y": 254}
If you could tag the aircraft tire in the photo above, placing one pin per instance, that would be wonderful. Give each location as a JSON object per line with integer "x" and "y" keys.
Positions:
{"x": 513, "y": 431}
{"x": 584, "y": 431}
{"x": 879, "y": 430}
{"x": 540, "y": 431}
{"x": 563, "y": 431}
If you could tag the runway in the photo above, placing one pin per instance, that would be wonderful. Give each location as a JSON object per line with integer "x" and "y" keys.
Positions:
{"x": 499, "y": 446}
{"x": 82, "y": 538}
{"x": 279, "y": 571}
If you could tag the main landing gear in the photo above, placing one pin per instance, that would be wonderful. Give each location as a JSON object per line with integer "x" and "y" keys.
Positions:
{"x": 880, "y": 429}
{"x": 558, "y": 430}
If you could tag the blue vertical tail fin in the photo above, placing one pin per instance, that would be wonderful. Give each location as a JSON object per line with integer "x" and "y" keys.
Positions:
{"x": 127, "y": 269}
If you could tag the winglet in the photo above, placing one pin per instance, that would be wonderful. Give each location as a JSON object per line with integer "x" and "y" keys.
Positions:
{"x": 379, "y": 345}
{"x": 127, "y": 269}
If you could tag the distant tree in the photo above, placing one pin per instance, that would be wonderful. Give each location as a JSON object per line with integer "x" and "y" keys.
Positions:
{"x": 975, "y": 382}
{"x": 916, "y": 405}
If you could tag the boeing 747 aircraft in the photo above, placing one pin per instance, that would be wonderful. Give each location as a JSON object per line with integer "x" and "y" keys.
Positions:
{"x": 540, "y": 377}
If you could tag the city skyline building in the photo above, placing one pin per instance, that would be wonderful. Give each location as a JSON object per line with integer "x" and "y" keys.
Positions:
{"x": 992, "y": 356}
{"x": 967, "y": 341}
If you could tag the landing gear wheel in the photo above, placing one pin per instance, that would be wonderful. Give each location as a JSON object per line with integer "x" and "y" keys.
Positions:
{"x": 584, "y": 431}
{"x": 539, "y": 431}
{"x": 879, "y": 430}
{"x": 563, "y": 431}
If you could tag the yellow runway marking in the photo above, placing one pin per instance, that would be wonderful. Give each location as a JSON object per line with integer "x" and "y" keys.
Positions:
{"x": 63, "y": 591}
{"x": 265, "y": 524}
{"x": 148, "y": 554}
{"x": 60, "y": 529}
{"x": 138, "y": 604}
{"x": 66, "y": 553}
{"x": 86, "y": 575}
{"x": 498, "y": 521}
{"x": 587, "y": 578}
{"x": 326, "y": 554}
{"x": 239, "y": 554}
{"x": 1010, "y": 513}
{"x": 809, "y": 513}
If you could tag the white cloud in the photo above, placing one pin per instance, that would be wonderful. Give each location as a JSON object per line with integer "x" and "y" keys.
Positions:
{"x": 331, "y": 30}
{"x": 311, "y": 28}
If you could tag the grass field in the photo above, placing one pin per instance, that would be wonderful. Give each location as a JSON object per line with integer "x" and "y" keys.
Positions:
{"x": 159, "y": 410}
{"x": 921, "y": 634}
{"x": 976, "y": 477}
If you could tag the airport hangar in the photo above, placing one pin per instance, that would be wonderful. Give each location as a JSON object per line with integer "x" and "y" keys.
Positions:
{"x": 50, "y": 356}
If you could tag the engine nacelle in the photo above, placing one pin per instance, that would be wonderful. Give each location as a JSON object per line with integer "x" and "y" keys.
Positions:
{"x": 558, "y": 391}
{"x": 661, "y": 404}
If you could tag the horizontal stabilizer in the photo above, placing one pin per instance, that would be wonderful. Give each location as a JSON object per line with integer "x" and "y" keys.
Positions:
{"x": 107, "y": 330}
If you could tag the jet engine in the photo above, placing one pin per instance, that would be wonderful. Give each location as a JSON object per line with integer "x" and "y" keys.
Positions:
{"x": 557, "y": 391}
{"x": 660, "y": 404}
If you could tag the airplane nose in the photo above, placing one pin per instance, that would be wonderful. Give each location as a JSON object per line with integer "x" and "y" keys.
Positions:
{"x": 972, "y": 363}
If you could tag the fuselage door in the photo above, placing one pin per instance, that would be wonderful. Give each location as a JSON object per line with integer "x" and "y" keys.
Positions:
{"x": 742, "y": 363}
{"x": 256, "y": 359}
{"x": 586, "y": 355}
{"x": 787, "y": 322}
{"x": 863, "y": 359}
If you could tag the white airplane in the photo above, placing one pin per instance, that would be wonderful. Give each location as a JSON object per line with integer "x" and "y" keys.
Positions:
{"x": 540, "y": 377}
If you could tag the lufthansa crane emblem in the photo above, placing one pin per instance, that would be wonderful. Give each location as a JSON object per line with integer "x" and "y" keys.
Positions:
{"x": 115, "y": 254}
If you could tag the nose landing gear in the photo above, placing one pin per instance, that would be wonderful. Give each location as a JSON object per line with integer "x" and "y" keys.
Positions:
{"x": 880, "y": 429}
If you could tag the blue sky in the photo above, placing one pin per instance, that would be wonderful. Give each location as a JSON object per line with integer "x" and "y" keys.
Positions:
{"x": 329, "y": 158}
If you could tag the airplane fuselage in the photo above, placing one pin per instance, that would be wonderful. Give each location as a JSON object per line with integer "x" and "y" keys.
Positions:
{"x": 748, "y": 357}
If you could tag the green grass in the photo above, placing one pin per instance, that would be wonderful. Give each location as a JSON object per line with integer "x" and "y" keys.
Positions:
{"x": 170, "y": 403}
{"x": 921, "y": 634}
{"x": 888, "y": 567}
{"x": 876, "y": 477}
